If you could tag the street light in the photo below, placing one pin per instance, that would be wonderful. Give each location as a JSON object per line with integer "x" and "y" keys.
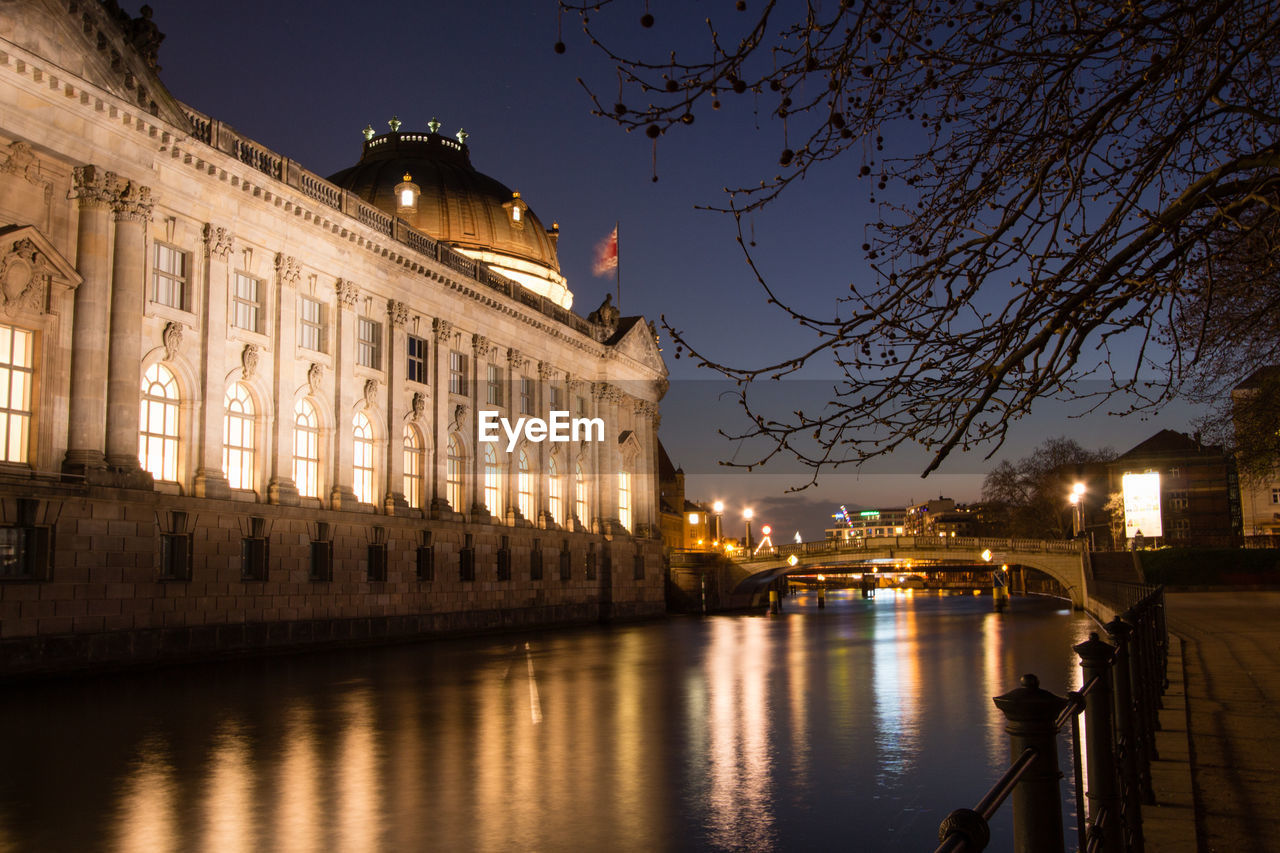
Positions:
{"x": 746, "y": 515}
{"x": 1077, "y": 508}
{"x": 718, "y": 507}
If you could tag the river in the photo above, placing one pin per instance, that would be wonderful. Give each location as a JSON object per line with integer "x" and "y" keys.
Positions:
{"x": 854, "y": 727}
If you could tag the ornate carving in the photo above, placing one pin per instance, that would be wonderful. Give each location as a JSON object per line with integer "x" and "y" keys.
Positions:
{"x": 92, "y": 187}
{"x": 288, "y": 268}
{"x": 315, "y": 375}
{"x": 459, "y": 414}
{"x": 347, "y": 291}
{"x": 515, "y": 359}
{"x": 418, "y": 406}
{"x": 397, "y": 312}
{"x": 172, "y": 339}
{"x": 22, "y": 161}
{"x": 249, "y": 360}
{"x": 480, "y": 345}
{"x": 217, "y": 241}
{"x": 442, "y": 329}
{"x": 25, "y": 274}
{"x": 132, "y": 202}
{"x": 370, "y": 393}
{"x": 546, "y": 372}
{"x": 146, "y": 37}
{"x": 607, "y": 393}
{"x": 606, "y": 316}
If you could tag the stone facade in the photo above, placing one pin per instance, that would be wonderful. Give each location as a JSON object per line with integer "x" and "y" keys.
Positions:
{"x": 214, "y": 359}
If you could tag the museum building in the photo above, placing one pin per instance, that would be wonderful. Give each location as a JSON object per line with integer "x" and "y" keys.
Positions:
{"x": 239, "y": 401}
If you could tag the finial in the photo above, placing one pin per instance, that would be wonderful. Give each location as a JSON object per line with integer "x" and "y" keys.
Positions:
{"x": 433, "y": 125}
{"x": 394, "y": 124}
{"x": 462, "y": 136}
{"x": 368, "y": 132}
{"x": 407, "y": 177}
{"x": 515, "y": 194}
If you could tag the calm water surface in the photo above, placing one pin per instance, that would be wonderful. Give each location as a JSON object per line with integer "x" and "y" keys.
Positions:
{"x": 857, "y": 727}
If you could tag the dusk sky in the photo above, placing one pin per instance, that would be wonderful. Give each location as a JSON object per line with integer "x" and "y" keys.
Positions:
{"x": 303, "y": 78}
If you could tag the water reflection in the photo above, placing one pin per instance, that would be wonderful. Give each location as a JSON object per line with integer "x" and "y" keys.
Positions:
{"x": 726, "y": 733}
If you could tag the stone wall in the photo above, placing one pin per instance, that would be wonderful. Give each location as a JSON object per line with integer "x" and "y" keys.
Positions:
{"x": 104, "y": 599}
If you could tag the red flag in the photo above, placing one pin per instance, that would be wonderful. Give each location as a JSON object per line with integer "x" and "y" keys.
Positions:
{"x": 607, "y": 254}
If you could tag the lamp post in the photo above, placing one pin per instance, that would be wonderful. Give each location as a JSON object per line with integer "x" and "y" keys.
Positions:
{"x": 718, "y": 507}
{"x": 1077, "y": 509}
{"x": 746, "y": 515}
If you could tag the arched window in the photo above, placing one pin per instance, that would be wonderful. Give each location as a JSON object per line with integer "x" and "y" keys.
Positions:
{"x": 580, "y": 494}
{"x": 555, "y": 492}
{"x": 624, "y": 499}
{"x": 413, "y": 458}
{"x": 492, "y": 482}
{"x": 158, "y": 424}
{"x": 363, "y": 473}
{"x": 237, "y": 437}
{"x": 306, "y": 449}
{"x": 453, "y": 474}
{"x": 524, "y": 485}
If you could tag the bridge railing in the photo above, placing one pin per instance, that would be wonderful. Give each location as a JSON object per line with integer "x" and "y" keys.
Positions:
{"x": 1123, "y": 683}
{"x": 826, "y": 547}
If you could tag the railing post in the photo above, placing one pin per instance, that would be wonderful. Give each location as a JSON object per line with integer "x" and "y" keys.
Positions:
{"x": 1104, "y": 793}
{"x": 1031, "y": 721}
{"x": 1126, "y": 739}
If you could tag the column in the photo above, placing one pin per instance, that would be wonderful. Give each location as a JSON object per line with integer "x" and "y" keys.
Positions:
{"x": 397, "y": 348}
{"x": 515, "y": 368}
{"x": 132, "y": 212}
{"x": 86, "y": 436}
{"x": 441, "y": 420}
{"x": 210, "y": 481}
{"x": 480, "y": 348}
{"x": 278, "y": 436}
{"x": 344, "y": 396}
{"x": 604, "y": 455}
{"x": 542, "y": 407}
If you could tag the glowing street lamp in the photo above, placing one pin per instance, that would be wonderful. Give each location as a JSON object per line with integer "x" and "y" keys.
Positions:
{"x": 718, "y": 507}
{"x": 746, "y": 515}
{"x": 1077, "y": 508}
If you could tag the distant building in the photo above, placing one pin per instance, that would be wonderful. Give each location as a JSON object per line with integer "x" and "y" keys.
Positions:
{"x": 1194, "y": 496}
{"x": 686, "y": 525}
{"x": 867, "y": 523}
{"x": 1259, "y": 497}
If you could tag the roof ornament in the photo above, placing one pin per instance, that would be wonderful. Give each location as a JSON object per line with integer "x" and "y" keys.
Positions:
{"x": 434, "y": 125}
{"x": 368, "y": 132}
{"x": 462, "y": 136}
{"x": 394, "y": 124}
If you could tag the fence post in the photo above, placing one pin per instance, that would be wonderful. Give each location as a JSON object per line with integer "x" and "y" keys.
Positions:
{"x": 1126, "y": 736}
{"x": 1031, "y": 721}
{"x": 1103, "y": 794}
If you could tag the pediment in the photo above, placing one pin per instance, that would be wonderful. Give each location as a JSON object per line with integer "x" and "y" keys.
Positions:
{"x": 638, "y": 344}
{"x": 29, "y": 266}
{"x": 98, "y": 42}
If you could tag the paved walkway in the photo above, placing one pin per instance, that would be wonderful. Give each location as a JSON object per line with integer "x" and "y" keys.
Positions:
{"x": 1231, "y": 659}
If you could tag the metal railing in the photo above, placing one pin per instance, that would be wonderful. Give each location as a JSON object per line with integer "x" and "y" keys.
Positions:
{"x": 1120, "y": 700}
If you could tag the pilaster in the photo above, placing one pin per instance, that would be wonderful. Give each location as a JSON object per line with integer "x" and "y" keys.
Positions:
{"x": 210, "y": 480}
{"x": 342, "y": 496}
{"x": 442, "y": 338}
{"x": 397, "y": 346}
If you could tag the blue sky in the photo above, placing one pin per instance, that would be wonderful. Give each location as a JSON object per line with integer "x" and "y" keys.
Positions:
{"x": 303, "y": 78}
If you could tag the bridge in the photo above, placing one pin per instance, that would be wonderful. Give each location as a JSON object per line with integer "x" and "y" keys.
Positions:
{"x": 1066, "y": 561}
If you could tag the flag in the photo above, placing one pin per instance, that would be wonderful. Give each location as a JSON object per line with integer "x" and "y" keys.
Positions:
{"x": 607, "y": 254}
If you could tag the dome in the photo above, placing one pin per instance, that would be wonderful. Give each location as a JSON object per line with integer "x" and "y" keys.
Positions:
{"x": 427, "y": 180}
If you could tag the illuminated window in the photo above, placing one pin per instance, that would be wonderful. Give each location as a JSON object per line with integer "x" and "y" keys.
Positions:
{"x": 457, "y": 373}
{"x": 17, "y": 372}
{"x": 306, "y": 449}
{"x": 237, "y": 437}
{"x": 413, "y": 458}
{"x": 169, "y": 277}
{"x": 417, "y": 364}
{"x": 453, "y": 474}
{"x": 246, "y": 303}
{"x": 515, "y": 214}
{"x": 492, "y": 482}
{"x": 494, "y": 385}
{"x": 406, "y": 197}
{"x": 369, "y": 343}
{"x": 310, "y": 324}
{"x": 158, "y": 424}
{"x": 524, "y": 485}
{"x": 580, "y": 493}
{"x": 624, "y": 499}
{"x": 363, "y": 485}
{"x": 1275, "y": 496}
{"x": 555, "y": 492}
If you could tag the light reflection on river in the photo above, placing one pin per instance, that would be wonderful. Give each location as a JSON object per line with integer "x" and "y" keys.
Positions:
{"x": 859, "y": 726}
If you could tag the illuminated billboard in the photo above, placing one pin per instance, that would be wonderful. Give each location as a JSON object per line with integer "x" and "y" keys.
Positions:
{"x": 1142, "y": 505}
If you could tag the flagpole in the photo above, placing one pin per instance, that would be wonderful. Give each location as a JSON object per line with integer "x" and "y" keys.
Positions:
{"x": 617, "y": 266}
